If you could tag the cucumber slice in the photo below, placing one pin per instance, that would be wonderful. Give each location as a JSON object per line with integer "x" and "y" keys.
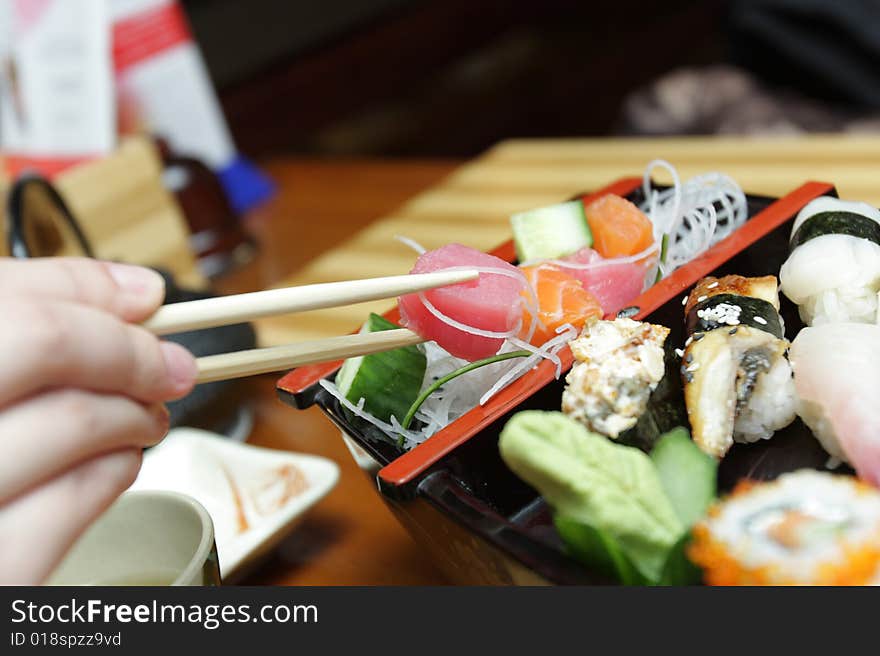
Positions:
{"x": 389, "y": 382}
{"x": 552, "y": 231}
{"x": 688, "y": 476}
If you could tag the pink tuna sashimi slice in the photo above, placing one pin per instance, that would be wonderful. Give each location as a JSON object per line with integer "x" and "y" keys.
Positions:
{"x": 614, "y": 283}
{"x": 492, "y": 302}
{"x": 837, "y": 375}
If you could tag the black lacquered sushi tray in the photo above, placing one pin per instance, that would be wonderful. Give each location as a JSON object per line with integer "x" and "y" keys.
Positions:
{"x": 485, "y": 525}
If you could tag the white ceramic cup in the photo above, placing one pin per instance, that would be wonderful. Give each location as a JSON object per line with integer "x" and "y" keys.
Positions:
{"x": 145, "y": 538}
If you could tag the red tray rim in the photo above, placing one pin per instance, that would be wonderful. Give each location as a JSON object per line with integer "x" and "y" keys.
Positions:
{"x": 410, "y": 465}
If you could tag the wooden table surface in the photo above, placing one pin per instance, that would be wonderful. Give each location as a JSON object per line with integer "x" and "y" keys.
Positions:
{"x": 338, "y": 220}
{"x": 473, "y": 203}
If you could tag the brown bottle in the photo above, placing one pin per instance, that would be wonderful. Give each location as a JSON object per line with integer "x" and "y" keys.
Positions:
{"x": 216, "y": 236}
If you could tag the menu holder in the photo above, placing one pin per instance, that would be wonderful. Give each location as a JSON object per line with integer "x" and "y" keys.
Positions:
{"x": 125, "y": 211}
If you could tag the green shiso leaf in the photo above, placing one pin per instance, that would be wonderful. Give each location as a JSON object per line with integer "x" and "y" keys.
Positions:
{"x": 599, "y": 549}
{"x": 588, "y": 479}
{"x": 678, "y": 569}
{"x": 688, "y": 476}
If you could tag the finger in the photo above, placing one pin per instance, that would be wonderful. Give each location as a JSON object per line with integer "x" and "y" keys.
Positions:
{"x": 132, "y": 293}
{"x": 44, "y": 435}
{"x": 61, "y": 344}
{"x": 38, "y": 527}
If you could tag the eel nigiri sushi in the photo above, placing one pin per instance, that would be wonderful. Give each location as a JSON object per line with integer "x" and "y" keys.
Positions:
{"x": 837, "y": 374}
{"x": 804, "y": 528}
{"x": 737, "y": 381}
{"x": 833, "y": 271}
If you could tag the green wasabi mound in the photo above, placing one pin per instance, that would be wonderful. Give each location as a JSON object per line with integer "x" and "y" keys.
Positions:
{"x": 609, "y": 501}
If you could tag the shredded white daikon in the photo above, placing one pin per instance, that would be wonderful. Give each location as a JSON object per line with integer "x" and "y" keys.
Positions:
{"x": 599, "y": 261}
{"x": 461, "y": 394}
{"x": 693, "y": 216}
{"x": 412, "y": 243}
{"x": 548, "y": 350}
{"x": 392, "y": 430}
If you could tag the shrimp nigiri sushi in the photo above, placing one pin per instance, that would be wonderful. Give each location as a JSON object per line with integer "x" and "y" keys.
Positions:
{"x": 833, "y": 271}
{"x": 836, "y": 375}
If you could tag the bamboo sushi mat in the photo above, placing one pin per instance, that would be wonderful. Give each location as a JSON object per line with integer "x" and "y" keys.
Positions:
{"x": 473, "y": 204}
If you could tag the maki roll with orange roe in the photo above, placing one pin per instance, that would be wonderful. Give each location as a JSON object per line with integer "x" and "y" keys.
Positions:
{"x": 804, "y": 528}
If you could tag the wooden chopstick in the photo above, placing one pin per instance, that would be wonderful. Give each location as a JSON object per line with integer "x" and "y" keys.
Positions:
{"x": 225, "y": 310}
{"x": 278, "y": 358}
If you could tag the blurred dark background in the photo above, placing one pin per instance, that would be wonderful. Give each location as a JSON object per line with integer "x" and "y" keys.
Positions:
{"x": 452, "y": 77}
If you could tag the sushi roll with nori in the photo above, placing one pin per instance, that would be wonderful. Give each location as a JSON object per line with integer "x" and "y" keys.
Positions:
{"x": 623, "y": 384}
{"x": 737, "y": 380}
{"x": 804, "y": 528}
{"x": 833, "y": 270}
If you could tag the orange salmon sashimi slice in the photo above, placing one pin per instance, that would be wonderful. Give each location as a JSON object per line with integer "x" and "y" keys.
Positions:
{"x": 619, "y": 227}
{"x": 562, "y": 300}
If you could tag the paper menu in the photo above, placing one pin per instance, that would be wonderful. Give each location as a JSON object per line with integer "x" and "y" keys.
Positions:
{"x": 56, "y": 81}
{"x": 161, "y": 72}
{"x": 164, "y": 86}
{"x": 67, "y": 66}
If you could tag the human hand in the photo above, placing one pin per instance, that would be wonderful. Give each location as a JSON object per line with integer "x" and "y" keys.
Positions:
{"x": 81, "y": 393}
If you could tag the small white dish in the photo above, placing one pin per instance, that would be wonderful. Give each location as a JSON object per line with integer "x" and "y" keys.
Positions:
{"x": 254, "y": 495}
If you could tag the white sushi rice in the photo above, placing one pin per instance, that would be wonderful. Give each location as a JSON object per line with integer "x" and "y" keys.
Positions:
{"x": 412, "y": 243}
{"x": 771, "y": 407}
{"x": 842, "y": 305}
{"x": 833, "y": 279}
{"x": 817, "y": 421}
